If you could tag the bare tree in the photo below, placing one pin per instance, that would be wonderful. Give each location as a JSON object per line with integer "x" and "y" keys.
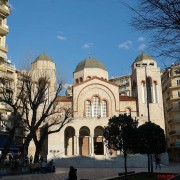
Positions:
{"x": 54, "y": 125}
{"x": 160, "y": 20}
{"x": 16, "y": 118}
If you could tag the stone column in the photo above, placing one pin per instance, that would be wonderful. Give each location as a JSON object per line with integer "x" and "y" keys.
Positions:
{"x": 77, "y": 144}
{"x": 92, "y": 145}
{"x": 90, "y": 150}
{"x": 105, "y": 149}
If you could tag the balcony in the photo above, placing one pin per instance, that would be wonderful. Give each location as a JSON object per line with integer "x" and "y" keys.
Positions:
{"x": 3, "y": 29}
{"x": 173, "y": 121}
{"x": 175, "y": 98}
{"x": 3, "y": 48}
{"x": 9, "y": 67}
{"x": 4, "y": 9}
{"x": 174, "y": 86}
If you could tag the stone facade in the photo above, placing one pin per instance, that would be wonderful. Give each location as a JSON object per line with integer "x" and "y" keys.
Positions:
{"x": 94, "y": 99}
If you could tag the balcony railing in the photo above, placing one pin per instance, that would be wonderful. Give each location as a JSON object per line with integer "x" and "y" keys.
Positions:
{"x": 170, "y": 121}
{"x": 4, "y": 48}
{"x": 3, "y": 29}
{"x": 176, "y": 144}
{"x": 4, "y": 8}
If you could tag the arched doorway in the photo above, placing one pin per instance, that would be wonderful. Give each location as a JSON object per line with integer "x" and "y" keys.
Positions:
{"x": 84, "y": 133}
{"x": 98, "y": 141}
{"x": 69, "y": 139}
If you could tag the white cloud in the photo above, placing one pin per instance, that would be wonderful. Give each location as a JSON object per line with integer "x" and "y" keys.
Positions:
{"x": 61, "y": 37}
{"x": 141, "y": 39}
{"x": 142, "y": 47}
{"x": 87, "y": 46}
{"x": 125, "y": 45}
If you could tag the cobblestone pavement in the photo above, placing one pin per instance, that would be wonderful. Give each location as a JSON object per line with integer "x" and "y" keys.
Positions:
{"x": 89, "y": 173}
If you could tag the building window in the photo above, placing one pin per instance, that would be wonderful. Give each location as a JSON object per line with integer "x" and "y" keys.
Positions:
{"x": 89, "y": 77}
{"x": 96, "y": 107}
{"x": 81, "y": 79}
{"x": 143, "y": 92}
{"x": 149, "y": 90}
{"x": 104, "y": 109}
{"x": 155, "y": 95}
{"x": 88, "y": 109}
{"x": 178, "y": 93}
{"x": 77, "y": 81}
{"x": 178, "y": 82}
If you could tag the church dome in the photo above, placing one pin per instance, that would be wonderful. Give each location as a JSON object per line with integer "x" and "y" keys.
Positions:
{"x": 143, "y": 56}
{"x": 89, "y": 63}
{"x": 43, "y": 57}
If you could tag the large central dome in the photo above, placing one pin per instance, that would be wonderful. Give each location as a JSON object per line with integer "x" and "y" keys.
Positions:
{"x": 89, "y": 63}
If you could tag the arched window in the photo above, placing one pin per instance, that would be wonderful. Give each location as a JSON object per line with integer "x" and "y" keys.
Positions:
{"x": 96, "y": 107}
{"x": 155, "y": 95}
{"x": 128, "y": 111}
{"x": 77, "y": 81}
{"x": 81, "y": 79}
{"x": 89, "y": 77}
{"x": 104, "y": 109}
{"x": 88, "y": 109}
{"x": 43, "y": 88}
{"x": 149, "y": 90}
{"x": 143, "y": 87}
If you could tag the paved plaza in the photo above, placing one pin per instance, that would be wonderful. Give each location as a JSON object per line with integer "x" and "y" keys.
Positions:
{"x": 89, "y": 173}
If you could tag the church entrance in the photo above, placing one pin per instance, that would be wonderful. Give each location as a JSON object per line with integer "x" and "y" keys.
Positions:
{"x": 69, "y": 134}
{"x": 84, "y": 146}
{"x": 84, "y": 141}
{"x": 98, "y": 141}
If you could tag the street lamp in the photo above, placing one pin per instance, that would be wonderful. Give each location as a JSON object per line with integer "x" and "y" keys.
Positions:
{"x": 150, "y": 161}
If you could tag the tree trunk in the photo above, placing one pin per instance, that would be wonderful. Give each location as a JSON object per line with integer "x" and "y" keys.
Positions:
{"x": 24, "y": 149}
{"x": 37, "y": 154}
{"x": 7, "y": 145}
{"x": 125, "y": 164}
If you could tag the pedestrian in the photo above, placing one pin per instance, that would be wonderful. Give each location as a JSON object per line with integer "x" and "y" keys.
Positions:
{"x": 10, "y": 158}
{"x": 41, "y": 159}
{"x": 157, "y": 161}
{"x": 31, "y": 159}
{"x": 72, "y": 173}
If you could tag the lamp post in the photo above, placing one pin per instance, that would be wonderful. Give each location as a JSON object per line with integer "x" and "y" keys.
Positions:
{"x": 150, "y": 160}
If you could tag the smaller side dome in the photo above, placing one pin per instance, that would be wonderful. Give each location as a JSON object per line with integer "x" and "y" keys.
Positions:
{"x": 43, "y": 57}
{"x": 143, "y": 56}
{"x": 89, "y": 63}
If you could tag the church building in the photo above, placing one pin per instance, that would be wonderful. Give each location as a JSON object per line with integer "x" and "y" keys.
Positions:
{"x": 94, "y": 99}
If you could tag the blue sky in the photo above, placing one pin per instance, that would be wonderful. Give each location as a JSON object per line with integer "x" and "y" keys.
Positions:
{"x": 68, "y": 30}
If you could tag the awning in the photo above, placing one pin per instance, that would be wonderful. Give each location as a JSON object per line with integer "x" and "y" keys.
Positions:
{"x": 3, "y": 140}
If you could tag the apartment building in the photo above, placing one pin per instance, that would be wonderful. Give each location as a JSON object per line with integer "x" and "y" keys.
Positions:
{"x": 7, "y": 77}
{"x": 124, "y": 83}
{"x": 171, "y": 98}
